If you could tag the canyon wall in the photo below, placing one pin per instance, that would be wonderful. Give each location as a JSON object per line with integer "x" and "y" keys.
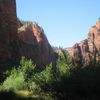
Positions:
{"x": 88, "y": 50}
{"x": 29, "y": 40}
{"x": 34, "y": 44}
{"x": 8, "y": 30}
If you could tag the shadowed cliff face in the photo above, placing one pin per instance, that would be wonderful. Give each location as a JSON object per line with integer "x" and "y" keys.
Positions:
{"x": 34, "y": 44}
{"x": 8, "y": 30}
{"x": 90, "y": 48}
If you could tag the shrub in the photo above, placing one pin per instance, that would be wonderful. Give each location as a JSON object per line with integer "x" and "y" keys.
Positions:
{"x": 27, "y": 67}
{"x": 44, "y": 78}
{"x": 64, "y": 65}
{"x": 18, "y": 78}
{"x": 34, "y": 87}
{"x": 15, "y": 81}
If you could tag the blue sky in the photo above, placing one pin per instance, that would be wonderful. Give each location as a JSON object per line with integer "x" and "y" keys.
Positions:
{"x": 65, "y": 22}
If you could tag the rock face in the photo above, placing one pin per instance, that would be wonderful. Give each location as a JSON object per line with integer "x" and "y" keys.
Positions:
{"x": 8, "y": 30}
{"x": 29, "y": 41}
{"x": 34, "y": 44}
{"x": 88, "y": 50}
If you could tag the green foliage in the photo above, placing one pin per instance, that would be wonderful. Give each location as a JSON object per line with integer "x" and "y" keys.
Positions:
{"x": 26, "y": 77}
{"x": 27, "y": 67}
{"x": 61, "y": 80}
{"x": 32, "y": 86}
{"x": 64, "y": 64}
{"x": 18, "y": 77}
{"x": 15, "y": 81}
{"x": 45, "y": 77}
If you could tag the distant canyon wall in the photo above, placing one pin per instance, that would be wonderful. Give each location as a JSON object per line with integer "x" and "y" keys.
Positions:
{"x": 88, "y": 50}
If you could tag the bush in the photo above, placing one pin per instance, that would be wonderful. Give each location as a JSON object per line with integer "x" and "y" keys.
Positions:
{"x": 27, "y": 67}
{"x": 18, "y": 78}
{"x": 64, "y": 65}
{"x": 45, "y": 77}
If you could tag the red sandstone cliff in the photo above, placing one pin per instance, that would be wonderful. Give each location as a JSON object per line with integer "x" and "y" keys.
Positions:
{"x": 29, "y": 40}
{"x": 8, "y": 30}
{"x": 88, "y": 50}
{"x": 34, "y": 44}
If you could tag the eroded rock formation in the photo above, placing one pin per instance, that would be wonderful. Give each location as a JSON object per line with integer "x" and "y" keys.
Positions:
{"x": 29, "y": 41}
{"x": 34, "y": 44}
{"x": 88, "y": 50}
